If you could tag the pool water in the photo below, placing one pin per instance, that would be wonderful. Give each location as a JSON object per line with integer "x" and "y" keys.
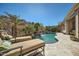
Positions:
{"x": 48, "y": 38}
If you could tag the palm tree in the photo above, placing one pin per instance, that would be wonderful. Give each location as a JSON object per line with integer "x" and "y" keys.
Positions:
{"x": 14, "y": 22}
{"x": 24, "y": 30}
{"x": 29, "y": 29}
{"x": 38, "y": 27}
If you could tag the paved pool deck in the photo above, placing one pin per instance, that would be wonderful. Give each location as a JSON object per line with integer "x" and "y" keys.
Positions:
{"x": 64, "y": 47}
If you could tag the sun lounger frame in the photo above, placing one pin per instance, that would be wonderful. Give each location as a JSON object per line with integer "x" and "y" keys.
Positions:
{"x": 20, "y": 47}
{"x": 5, "y": 51}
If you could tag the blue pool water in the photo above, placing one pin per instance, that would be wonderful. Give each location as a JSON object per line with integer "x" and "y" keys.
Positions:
{"x": 48, "y": 38}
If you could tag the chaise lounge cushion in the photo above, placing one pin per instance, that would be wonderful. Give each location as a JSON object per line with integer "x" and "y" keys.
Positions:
{"x": 27, "y": 47}
{"x": 20, "y": 39}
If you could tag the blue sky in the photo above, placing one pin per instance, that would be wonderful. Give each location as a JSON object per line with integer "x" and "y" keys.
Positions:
{"x": 45, "y": 13}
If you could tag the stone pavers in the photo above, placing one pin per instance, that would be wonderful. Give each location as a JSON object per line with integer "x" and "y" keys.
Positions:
{"x": 64, "y": 47}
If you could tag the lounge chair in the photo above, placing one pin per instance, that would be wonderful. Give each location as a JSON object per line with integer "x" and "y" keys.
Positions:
{"x": 22, "y": 48}
{"x": 23, "y": 45}
{"x": 17, "y": 39}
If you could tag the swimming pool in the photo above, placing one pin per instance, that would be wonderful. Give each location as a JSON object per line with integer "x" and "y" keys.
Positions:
{"x": 48, "y": 38}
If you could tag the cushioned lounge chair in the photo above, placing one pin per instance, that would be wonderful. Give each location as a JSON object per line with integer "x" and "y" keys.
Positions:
{"x": 23, "y": 45}
{"x": 22, "y": 48}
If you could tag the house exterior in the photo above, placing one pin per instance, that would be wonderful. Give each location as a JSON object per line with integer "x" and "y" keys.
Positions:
{"x": 72, "y": 21}
{"x": 21, "y": 26}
